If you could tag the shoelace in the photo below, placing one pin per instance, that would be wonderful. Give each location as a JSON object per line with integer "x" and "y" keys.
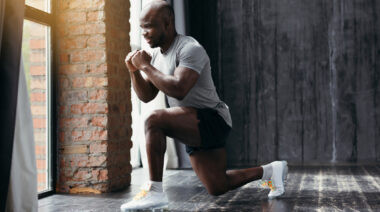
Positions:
{"x": 269, "y": 184}
{"x": 140, "y": 195}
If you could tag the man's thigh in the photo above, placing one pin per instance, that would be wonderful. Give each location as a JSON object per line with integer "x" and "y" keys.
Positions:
{"x": 180, "y": 123}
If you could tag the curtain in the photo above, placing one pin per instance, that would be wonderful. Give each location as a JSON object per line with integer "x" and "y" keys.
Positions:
{"x": 22, "y": 192}
{"x": 13, "y": 153}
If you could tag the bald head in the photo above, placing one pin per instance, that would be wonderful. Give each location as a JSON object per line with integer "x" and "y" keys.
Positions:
{"x": 157, "y": 24}
{"x": 160, "y": 9}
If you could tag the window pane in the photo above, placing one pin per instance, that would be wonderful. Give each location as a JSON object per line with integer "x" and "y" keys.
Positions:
{"x": 43, "y": 5}
{"x": 36, "y": 58}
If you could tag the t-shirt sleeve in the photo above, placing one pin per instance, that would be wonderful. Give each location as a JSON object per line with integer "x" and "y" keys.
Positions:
{"x": 193, "y": 56}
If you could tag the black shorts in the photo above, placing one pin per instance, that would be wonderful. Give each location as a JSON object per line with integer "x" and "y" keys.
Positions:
{"x": 213, "y": 130}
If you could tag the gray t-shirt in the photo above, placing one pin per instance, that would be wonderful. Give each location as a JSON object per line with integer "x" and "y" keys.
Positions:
{"x": 185, "y": 51}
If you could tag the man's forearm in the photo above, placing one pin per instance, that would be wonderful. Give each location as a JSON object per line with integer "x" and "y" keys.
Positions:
{"x": 166, "y": 83}
{"x": 142, "y": 87}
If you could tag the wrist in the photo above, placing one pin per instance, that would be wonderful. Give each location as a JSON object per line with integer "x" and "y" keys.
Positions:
{"x": 137, "y": 71}
{"x": 145, "y": 67}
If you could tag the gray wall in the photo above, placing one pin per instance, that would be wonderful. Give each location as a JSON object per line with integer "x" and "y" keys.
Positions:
{"x": 301, "y": 77}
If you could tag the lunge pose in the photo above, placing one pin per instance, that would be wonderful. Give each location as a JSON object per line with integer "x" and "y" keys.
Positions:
{"x": 180, "y": 67}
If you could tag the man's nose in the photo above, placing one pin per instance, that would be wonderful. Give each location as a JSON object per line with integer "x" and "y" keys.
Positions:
{"x": 144, "y": 33}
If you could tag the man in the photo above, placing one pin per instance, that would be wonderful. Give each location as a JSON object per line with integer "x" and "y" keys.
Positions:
{"x": 180, "y": 67}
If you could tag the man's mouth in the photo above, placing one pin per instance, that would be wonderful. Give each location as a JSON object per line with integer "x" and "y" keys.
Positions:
{"x": 148, "y": 40}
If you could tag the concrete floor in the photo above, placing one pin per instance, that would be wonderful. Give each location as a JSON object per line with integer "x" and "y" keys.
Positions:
{"x": 309, "y": 188}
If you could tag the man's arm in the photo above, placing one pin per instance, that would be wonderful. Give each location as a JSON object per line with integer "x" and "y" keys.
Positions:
{"x": 144, "y": 89}
{"x": 176, "y": 86}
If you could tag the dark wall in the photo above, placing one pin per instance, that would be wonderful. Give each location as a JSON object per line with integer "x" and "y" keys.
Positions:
{"x": 301, "y": 77}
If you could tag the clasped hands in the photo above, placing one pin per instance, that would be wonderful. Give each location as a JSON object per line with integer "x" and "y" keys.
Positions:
{"x": 137, "y": 60}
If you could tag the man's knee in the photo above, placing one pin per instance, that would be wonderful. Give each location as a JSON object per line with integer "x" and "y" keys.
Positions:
{"x": 217, "y": 187}
{"x": 154, "y": 119}
{"x": 216, "y": 190}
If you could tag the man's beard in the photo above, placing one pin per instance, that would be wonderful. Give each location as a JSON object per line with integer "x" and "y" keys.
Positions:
{"x": 159, "y": 42}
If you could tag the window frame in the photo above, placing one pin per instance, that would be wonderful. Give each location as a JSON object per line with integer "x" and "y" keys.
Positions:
{"x": 48, "y": 19}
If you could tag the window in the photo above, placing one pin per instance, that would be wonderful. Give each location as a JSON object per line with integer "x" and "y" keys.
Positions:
{"x": 37, "y": 60}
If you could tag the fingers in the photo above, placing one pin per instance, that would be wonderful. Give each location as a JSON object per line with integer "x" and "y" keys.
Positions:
{"x": 130, "y": 55}
{"x": 128, "y": 61}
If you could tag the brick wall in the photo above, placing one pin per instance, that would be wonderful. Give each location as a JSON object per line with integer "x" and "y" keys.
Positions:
{"x": 94, "y": 103}
{"x": 38, "y": 92}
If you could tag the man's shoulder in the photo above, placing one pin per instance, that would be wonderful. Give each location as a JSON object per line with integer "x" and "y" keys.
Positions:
{"x": 187, "y": 41}
{"x": 189, "y": 44}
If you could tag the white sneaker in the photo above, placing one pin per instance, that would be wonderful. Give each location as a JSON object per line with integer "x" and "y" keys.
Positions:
{"x": 147, "y": 200}
{"x": 278, "y": 179}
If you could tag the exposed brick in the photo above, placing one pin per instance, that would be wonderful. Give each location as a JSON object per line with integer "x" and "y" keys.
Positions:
{"x": 88, "y": 56}
{"x": 64, "y": 83}
{"x": 99, "y": 135}
{"x": 37, "y": 97}
{"x": 37, "y": 70}
{"x": 72, "y": 17}
{"x": 97, "y": 161}
{"x": 71, "y": 69}
{"x": 74, "y": 43}
{"x": 41, "y": 177}
{"x": 96, "y": 41}
{"x": 97, "y": 69}
{"x": 75, "y": 30}
{"x": 73, "y": 122}
{"x": 77, "y": 161}
{"x": 85, "y": 4}
{"x": 38, "y": 110}
{"x": 62, "y": 110}
{"x": 61, "y": 136}
{"x": 75, "y": 149}
{"x": 40, "y": 137}
{"x": 99, "y": 121}
{"x": 41, "y": 164}
{"x": 95, "y": 16}
{"x": 37, "y": 57}
{"x": 38, "y": 84}
{"x": 96, "y": 28}
{"x": 40, "y": 150}
{"x": 37, "y": 43}
{"x": 95, "y": 174}
{"x": 64, "y": 58}
{"x": 89, "y": 82}
{"x": 77, "y": 95}
{"x": 89, "y": 108}
{"x": 103, "y": 175}
{"x": 98, "y": 95}
{"x": 82, "y": 175}
{"x": 92, "y": 76}
{"x": 39, "y": 122}
{"x": 81, "y": 135}
{"x": 98, "y": 147}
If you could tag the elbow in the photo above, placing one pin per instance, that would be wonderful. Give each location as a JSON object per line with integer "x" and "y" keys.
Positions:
{"x": 180, "y": 94}
{"x": 178, "y": 91}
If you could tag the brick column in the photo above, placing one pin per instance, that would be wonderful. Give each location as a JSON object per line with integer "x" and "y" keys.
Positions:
{"x": 94, "y": 96}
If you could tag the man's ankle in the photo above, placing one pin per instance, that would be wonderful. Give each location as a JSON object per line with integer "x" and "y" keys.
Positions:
{"x": 267, "y": 172}
{"x": 156, "y": 186}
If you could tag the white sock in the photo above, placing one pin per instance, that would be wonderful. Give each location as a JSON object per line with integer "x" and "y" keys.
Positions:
{"x": 156, "y": 186}
{"x": 267, "y": 173}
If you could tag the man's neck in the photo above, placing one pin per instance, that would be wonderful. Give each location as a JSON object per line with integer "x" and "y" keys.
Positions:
{"x": 169, "y": 42}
